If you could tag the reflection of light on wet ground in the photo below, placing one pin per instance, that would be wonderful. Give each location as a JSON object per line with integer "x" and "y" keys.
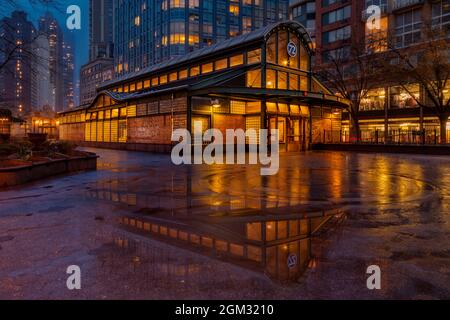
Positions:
{"x": 260, "y": 245}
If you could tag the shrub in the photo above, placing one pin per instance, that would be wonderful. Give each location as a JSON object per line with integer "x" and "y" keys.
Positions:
{"x": 62, "y": 147}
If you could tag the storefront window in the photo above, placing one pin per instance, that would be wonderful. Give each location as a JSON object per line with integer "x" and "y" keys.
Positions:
{"x": 293, "y": 82}
{"x": 402, "y": 98}
{"x": 374, "y": 100}
{"x": 254, "y": 79}
{"x": 282, "y": 80}
{"x": 271, "y": 79}
{"x": 283, "y": 57}
{"x": 304, "y": 59}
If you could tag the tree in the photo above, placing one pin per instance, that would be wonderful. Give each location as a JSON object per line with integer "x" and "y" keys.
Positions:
{"x": 429, "y": 66}
{"x": 350, "y": 72}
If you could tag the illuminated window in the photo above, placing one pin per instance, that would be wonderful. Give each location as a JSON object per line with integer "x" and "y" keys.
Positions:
{"x": 237, "y": 60}
{"x": 271, "y": 49}
{"x": 195, "y": 71}
{"x": 293, "y": 82}
{"x": 146, "y": 84}
{"x": 207, "y": 68}
{"x": 282, "y": 80}
{"x": 183, "y": 74}
{"x": 254, "y": 56}
{"x": 283, "y": 57}
{"x": 401, "y": 98}
{"x": 132, "y": 87}
{"x": 163, "y": 79}
{"x": 254, "y": 79}
{"x": 374, "y": 100}
{"x": 155, "y": 82}
{"x": 221, "y": 64}
{"x": 271, "y": 79}
{"x": 173, "y": 76}
{"x": 177, "y": 3}
{"x": 114, "y": 113}
{"x": 123, "y": 112}
{"x": 234, "y": 9}
{"x": 137, "y": 21}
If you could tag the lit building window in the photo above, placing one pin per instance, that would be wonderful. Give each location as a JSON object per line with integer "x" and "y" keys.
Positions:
{"x": 237, "y": 60}
{"x": 234, "y": 9}
{"x": 375, "y": 100}
{"x": 254, "y": 79}
{"x": 404, "y": 97}
{"x": 254, "y": 56}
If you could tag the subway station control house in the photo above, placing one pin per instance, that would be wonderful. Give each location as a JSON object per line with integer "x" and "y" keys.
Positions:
{"x": 258, "y": 80}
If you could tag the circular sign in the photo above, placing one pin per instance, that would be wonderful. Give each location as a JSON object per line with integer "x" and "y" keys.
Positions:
{"x": 292, "y": 261}
{"x": 292, "y": 49}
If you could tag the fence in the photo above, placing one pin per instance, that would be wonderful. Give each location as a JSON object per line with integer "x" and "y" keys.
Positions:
{"x": 395, "y": 136}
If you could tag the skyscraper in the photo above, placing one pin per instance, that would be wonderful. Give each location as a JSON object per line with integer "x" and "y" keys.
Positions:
{"x": 50, "y": 27}
{"x": 100, "y": 29}
{"x": 151, "y": 31}
{"x": 68, "y": 75}
{"x": 100, "y": 67}
{"x": 17, "y": 35}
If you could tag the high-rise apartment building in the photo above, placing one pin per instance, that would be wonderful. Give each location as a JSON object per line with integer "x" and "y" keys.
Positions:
{"x": 100, "y": 67}
{"x": 49, "y": 27}
{"x": 100, "y": 29}
{"x": 17, "y": 34}
{"x": 68, "y": 75}
{"x": 304, "y": 11}
{"x": 389, "y": 112}
{"x": 151, "y": 31}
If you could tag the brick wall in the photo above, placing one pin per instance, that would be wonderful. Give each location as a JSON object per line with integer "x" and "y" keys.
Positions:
{"x": 154, "y": 129}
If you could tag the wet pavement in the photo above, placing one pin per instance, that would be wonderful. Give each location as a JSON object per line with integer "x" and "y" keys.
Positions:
{"x": 141, "y": 228}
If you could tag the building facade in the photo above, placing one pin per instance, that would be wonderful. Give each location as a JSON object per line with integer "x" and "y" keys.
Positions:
{"x": 100, "y": 67}
{"x": 100, "y": 29}
{"x": 391, "y": 112}
{"x": 259, "y": 80}
{"x": 304, "y": 11}
{"x": 149, "y": 32}
{"x": 49, "y": 27}
{"x": 93, "y": 74}
{"x": 16, "y": 86}
{"x": 68, "y": 75}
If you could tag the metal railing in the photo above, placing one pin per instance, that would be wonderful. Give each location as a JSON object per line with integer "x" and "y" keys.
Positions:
{"x": 395, "y": 136}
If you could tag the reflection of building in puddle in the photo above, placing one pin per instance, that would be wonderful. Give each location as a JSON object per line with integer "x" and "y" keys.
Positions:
{"x": 281, "y": 248}
{"x": 188, "y": 197}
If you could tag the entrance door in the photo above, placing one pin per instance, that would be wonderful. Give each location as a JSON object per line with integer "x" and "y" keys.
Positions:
{"x": 280, "y": 124}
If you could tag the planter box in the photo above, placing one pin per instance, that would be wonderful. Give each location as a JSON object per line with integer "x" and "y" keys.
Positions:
{"x": 16, "y": 175}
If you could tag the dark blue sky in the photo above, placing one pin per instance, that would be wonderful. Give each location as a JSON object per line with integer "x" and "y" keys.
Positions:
{"x": 81, "y": 37}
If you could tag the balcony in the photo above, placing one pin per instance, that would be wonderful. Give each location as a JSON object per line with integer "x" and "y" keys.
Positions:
{"x": 400, "y": 4}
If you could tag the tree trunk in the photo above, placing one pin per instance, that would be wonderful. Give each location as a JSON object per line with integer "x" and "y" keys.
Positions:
{"x": 355, "y": 132}
{"x": 443, "y": 129}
